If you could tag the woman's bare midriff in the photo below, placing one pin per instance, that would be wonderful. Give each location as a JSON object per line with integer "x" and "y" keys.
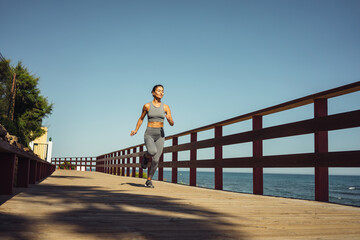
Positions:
{"x": 155, "y": 124}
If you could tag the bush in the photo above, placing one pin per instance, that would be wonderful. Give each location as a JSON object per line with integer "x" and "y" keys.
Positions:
{"x": 67, "y": 165}
{"x": 143, "y": 176}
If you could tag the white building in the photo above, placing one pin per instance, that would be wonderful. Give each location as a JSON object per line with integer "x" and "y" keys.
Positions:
{"x": 42, "y": 147}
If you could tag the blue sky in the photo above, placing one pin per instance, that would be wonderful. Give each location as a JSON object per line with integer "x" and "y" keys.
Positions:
{"x": 98, "y": 61}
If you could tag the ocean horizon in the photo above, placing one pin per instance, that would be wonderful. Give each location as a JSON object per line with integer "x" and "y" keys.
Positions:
{"x": 343, "y": 189}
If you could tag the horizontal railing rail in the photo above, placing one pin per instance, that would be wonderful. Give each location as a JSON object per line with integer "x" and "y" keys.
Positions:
{"x": 19, "y": 168}
{"x": 75, "y": 163}
{"x": 124, "y": 161}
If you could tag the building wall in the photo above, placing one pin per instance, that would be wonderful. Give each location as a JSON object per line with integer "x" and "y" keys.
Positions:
{"x": 42, "y": 147}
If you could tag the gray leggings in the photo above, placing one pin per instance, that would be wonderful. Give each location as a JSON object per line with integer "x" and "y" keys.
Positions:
{"x": 154, "y": 141}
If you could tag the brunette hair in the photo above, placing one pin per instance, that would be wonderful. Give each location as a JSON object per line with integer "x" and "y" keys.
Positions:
{"x": 156, "y": 86}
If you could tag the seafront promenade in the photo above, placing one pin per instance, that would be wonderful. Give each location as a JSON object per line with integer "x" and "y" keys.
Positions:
{"x": 93, "y": 205}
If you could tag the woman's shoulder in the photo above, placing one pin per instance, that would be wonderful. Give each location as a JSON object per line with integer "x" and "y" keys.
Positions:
{"x": 166, "y": 107}
{"x": 146, "y": 106}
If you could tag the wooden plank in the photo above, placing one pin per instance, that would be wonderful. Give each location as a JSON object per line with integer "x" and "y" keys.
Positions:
{"x": 92, "y": 205}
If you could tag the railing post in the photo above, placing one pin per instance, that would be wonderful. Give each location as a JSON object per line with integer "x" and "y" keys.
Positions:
{"x": 141, "y": 149}
{"x": 104, "y": 164}
{"x": 109, "y": 164}
{"x": 133, "y": 169}
{"x": 117, "y": 162}
{"x": 33, "y": 169}
{"x": 42, "y": 171}
{"x": 7, "y": 171}
{"x": 218, "y": 159}
{"x": 23, "y": 172}
{"x": 193, "y": 156}
{"x": 128, "y": 162}
{"x": 174, "y": 159}
{"x": 257, "y": 152}
{"x": 123, "y": 162}
{"x": 96, "y": 165}
{"x": 113, "y": 162}
{"x": 102, "y": 169}
{"x": 321, "y": 146}
{"x": 38, "y": 171}
{"x": 161, "y": 169}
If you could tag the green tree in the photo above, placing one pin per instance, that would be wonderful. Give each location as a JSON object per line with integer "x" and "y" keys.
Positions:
{"x": 30, "y": 106}
{"x": 5, "y": 87}
{"x": 6, "y": 80}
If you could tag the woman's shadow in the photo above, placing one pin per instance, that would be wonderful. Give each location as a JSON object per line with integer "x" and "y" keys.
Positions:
{"x": 133, "y": 184}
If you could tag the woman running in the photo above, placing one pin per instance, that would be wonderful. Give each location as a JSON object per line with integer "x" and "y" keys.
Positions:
{"x": 154, "y": 134}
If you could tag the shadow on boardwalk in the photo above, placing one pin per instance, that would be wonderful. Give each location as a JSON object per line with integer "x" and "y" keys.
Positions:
{"x": 93, "y": 212}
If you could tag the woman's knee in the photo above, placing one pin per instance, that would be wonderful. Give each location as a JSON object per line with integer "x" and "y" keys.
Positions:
{"x": 152, "y": 151}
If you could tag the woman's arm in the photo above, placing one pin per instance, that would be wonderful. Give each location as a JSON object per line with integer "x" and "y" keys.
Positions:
{"x": 168, "y": 115}
{"x": 141, "y": 119}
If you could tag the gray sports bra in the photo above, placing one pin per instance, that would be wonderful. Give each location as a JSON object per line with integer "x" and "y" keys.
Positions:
{"x": 156, "y": 114}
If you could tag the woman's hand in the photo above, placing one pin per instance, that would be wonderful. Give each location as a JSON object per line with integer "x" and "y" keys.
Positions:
{"x": 133, "y": 133}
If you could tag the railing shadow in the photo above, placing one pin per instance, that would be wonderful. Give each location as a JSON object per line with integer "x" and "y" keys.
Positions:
{"x": 68, "y": 177}
{"x": 5, "y": 198}
{"x": 96, "y": 212}
{"x": 10, "y": 225}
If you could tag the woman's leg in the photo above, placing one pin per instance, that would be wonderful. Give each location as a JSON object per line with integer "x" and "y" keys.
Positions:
{"x": 150, "y": 145}
{"x": 159, "y": 143}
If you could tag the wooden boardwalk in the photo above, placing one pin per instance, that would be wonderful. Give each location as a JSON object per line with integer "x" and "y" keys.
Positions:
{"x": 91, "y": 205}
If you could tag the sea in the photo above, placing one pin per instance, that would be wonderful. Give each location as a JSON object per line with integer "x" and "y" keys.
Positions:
{"x": 342, "y": 189}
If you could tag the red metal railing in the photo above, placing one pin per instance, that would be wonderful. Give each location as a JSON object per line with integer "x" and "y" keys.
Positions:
{"x": 78, "y": 163}
{"x": 19, "y": 168}
{"x": 321, "y": 159}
